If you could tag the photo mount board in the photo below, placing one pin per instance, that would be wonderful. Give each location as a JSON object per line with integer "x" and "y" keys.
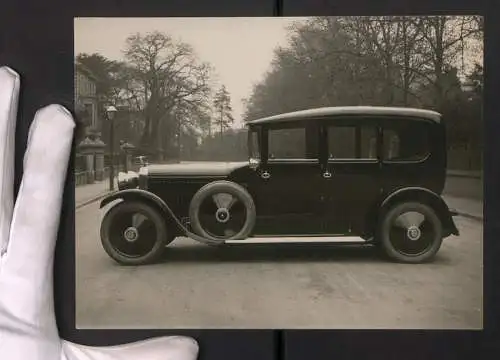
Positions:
{"x": 25, "y": 27}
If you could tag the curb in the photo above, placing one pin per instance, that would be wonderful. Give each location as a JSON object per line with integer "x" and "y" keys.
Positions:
{"x": 462, "y": 213}
{"x": 464, "y": 175}
{"x": 470, "y": 216}
{"x": 91, "y": 200}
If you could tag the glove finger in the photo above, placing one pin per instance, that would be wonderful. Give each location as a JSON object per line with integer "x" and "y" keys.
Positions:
{"x": 9, "y": 97}
{"x": 164, "y": 348}
{"x": 28, "y": 262}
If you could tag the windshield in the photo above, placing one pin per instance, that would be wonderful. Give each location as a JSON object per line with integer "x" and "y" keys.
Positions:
{"x": 253, "y": 145}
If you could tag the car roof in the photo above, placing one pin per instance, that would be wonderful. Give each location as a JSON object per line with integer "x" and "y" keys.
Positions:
{"x": 350, "y": 110}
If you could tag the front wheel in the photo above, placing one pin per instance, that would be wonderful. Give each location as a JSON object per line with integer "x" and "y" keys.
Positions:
{"x": 411, "y": 233}
{"x": 134, "y": 233}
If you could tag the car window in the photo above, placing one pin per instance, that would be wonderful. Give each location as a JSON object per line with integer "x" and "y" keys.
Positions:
{"x": 254, "y": 145}
{"x": 405, "y": 142}
{"x": 352, "y": 142}
{"x": 288, "y": 143}
{"x": 391, "y": 144}
{"x": 368, "y": 142}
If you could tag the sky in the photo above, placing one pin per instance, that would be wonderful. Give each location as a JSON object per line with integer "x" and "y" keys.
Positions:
{"x": 239, "y": 49}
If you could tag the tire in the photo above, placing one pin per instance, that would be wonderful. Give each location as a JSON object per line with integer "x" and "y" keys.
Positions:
{"x": 116, "y": 223}
{"x": 399, "y": 239}
{"x": 206, "y": 214}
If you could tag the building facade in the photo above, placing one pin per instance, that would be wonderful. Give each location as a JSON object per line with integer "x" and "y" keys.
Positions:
{"x": 86, "y": 100}
{"x": 89, "y": 161}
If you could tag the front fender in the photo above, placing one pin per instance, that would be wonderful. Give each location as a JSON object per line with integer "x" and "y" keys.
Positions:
{"x": 143, "y": 195}
{"x": 428, "y": 197}
{"x": 134, "y": 194}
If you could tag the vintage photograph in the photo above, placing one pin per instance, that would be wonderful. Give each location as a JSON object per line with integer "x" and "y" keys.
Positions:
{"x": 261, "y": 173}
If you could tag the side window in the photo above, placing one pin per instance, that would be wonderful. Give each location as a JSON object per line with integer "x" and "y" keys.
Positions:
{"x": 368, "y": 142}
{"x": 405, "y": 142}
{"x": 391, "y": 144}
{"x": 352, "y": 142}
{"x": 341, "y": 142}
{"x": 289, "y": 143}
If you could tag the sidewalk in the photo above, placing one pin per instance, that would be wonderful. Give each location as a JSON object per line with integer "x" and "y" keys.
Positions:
{"x": 85, "y": 194}
{"x": 469, "y": 208}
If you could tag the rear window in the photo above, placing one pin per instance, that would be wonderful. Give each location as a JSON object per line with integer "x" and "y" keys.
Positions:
{"x": 405, "y": 141}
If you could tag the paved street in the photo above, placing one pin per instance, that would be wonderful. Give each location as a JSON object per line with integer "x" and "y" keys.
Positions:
{"x": 278, "y": 286}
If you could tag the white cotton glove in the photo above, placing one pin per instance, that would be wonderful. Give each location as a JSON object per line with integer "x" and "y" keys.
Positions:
{"x": 28, "y": 231}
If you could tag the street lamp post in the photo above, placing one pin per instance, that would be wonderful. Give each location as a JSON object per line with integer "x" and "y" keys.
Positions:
{"x": 110, "y": 114}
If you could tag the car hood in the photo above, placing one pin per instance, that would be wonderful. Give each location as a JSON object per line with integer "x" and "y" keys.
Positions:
{"x": 191, "y": 168}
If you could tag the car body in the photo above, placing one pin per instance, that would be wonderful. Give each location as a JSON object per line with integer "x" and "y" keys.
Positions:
{"x": 330, "y": 172}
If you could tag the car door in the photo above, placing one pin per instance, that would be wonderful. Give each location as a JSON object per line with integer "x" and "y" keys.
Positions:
{"x": 351, "y": 181}
{"x": 287, "y": 180}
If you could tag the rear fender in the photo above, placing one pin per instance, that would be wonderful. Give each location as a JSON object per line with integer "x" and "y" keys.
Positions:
{"x": 424, "y": 196}
{"x": 158, "y": 203}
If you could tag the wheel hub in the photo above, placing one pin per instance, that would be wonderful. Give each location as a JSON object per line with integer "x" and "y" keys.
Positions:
{"x": 222, "y": 215}
{"x": 413, "y": 233}
{"x": 131, "y": 234}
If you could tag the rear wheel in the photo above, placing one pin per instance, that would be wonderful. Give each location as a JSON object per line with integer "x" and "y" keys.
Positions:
{"x": 134, "y": 233}
{"x": 222, "y": 210}
{"x": 411, "y": 233}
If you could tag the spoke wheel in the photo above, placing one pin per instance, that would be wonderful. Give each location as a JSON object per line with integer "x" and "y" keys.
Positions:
{"x": 222, "y": 210}
{"x": 134, "y": 233}
{"x": 411, "y": 232}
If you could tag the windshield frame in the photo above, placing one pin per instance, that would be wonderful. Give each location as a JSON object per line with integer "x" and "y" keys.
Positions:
{"x": 254, "y": 148}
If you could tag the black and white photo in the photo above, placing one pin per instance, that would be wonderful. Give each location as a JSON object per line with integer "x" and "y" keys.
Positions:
{"x": 302, "y": 172}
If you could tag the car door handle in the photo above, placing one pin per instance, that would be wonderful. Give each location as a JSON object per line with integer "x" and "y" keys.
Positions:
{"x": 327, "y": 174}
{"x": 265, "y": 175}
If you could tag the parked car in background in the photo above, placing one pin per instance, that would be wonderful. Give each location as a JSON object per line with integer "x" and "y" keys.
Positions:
{"x": 374, "y": 173}
{"x": 141, "y": 160}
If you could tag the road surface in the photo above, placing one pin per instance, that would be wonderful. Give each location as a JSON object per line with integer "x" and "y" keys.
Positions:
{"x": 278, "y": 286}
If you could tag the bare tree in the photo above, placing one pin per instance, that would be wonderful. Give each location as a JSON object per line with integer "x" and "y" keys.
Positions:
{"x": 164, "y": 76}
{"x": 446, "y": 39}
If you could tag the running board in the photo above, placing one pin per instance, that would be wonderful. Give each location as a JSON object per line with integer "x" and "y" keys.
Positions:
{"x": 299, "y": 240}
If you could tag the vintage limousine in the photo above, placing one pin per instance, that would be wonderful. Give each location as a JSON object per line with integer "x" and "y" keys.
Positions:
{"x": 373, "y": 173}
